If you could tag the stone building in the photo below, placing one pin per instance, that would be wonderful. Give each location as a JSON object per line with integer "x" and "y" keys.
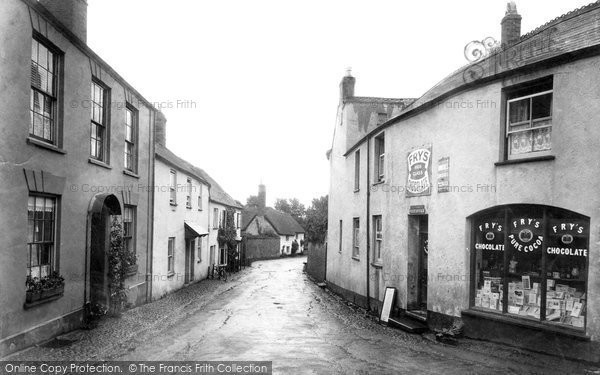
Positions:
{"x": 477, "y": 201}
{"x": 77, "y": 152}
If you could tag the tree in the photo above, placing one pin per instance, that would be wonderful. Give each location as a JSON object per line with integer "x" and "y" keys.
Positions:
{"x": 316, "y": 220}
{"x": 252, "y": 201}
{"x": 281, "y": 204}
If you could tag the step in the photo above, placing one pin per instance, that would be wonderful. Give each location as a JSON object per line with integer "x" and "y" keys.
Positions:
{"x": 407, "y": 324}
{"x": 417, "y": 315}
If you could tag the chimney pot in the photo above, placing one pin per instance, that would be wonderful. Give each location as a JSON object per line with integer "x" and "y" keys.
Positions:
{"x": 262, "y": 197}
{"x": 347, "y": 85}
{"x": 511, "y": 25}
{"x": 160, "y": 129}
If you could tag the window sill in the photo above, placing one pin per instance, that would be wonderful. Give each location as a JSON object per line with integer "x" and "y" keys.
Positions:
{"x": 29, "y": 305}
{"x": 378, "y": 183}
{"x": 356, "y": 190}
{"x": 173, "y": 204}
{"x": 377, "y": 265}
{"x": 503, "y": 318}
{"x": 47, "y": 146}
{"x": 170, "y": 274}
{"x": 525, "y": 160}
{"x": 130, "y": 173}
{"x": 99, "y": 163}
{"x": 356, "y": 258}
{"x": 188, "y": 207}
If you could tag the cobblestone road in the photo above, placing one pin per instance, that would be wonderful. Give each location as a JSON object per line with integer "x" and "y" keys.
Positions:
{"x": 271, "y": 311}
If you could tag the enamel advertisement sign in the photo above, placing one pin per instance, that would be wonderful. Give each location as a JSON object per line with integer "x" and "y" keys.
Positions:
{"x": 419, "y": 172}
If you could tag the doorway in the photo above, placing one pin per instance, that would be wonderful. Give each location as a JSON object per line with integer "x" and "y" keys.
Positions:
{"x": 418, "y": 254}
{"x": 189, "y": 260}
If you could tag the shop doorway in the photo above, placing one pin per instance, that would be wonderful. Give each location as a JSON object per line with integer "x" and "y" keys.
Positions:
{"x": 189, "y": 260}
{"x": 418, "y": 253}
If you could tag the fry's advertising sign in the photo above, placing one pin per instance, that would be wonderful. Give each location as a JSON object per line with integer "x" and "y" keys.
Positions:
{"x": 419, "y": 172}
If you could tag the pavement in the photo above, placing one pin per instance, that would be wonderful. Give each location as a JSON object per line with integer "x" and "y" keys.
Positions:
{"x": 272, "y": 312}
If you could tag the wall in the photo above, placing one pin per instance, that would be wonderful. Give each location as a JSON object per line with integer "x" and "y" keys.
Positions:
{"x": 169, "y": 222}
{"x": 83, "y": 180}
{"x": 466, "y": 127}
{"x": 316, "y": 262}
{"x": 262, "y": 248}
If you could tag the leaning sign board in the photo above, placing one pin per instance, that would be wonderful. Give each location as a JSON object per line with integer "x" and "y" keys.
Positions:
{"x": 388, "y": 302}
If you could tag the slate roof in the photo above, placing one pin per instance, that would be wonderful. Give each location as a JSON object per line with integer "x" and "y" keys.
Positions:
{"x": 283, "y": 223}
{"x": 217, "y": 194}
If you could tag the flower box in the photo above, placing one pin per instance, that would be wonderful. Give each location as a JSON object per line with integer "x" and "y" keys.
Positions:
{"x": 32, "y": 296}
{"x": 131, "y": 270}
{"x": 57, "y": 290}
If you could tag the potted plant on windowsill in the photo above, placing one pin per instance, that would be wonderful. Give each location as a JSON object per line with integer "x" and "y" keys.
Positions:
{"x": 45, "y": 287}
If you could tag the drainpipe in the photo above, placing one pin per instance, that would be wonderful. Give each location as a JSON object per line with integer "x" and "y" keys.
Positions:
{"x": 368, "y": 221}
{"x": 150, "y": 216}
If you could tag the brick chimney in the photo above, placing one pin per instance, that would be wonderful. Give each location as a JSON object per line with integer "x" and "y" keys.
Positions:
{"x": 347, "y": 85}
{"x": 511, "y": 25}
{"x": 71, "y": 13}
{"x": 160, "y": 129}
{"x": 262, "y": 197}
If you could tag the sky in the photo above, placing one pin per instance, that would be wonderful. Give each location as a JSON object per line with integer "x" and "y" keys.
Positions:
{"x": 250, "y": 88}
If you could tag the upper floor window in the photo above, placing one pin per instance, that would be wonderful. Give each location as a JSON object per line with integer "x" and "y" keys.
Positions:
{"x": 200, "y": 198}
{"x": 215, "y": 218}
{"x": 173, "y": 188}
{"x": 380, "y": 158}
{"x": 238, "y": 220}
{"x": 188, "y": 198}
{"x": 98, "y": 124}
{"x": 357, "y": 170}
{"x": 130, "y": 154}
{"x": 529, "y": 120}
{"x": 41, "y": 215}
{"x": 43, "y": 101}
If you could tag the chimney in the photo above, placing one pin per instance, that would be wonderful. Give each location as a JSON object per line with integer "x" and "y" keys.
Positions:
{"x": 262, "y": 197}
{"x": 160, "y": 129}
{"x": 71, "y": 13}
{"x": 511, "y": 25}
{"x": 347, "y": 85}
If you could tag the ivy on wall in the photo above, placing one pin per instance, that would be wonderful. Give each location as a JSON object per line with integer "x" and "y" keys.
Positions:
{"x": 119, "y": 261}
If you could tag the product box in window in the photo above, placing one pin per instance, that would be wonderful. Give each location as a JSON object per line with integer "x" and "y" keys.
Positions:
{"x": 478, "y": 301}
{"x": 577, "y": 321}
{"x": 485, "y": 301}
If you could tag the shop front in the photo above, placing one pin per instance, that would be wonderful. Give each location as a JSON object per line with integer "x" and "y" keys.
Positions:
{"x": 529, "y": 271}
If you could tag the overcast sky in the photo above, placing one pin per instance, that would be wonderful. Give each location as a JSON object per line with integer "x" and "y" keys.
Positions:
{"x": 257, "y": 81}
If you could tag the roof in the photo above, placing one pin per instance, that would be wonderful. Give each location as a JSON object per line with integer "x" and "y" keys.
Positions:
{"x": 368, "y": 99}
{"x": 217, "y": 194}
{"x": 282, "y": 222}
{"x": 561, "y": 40}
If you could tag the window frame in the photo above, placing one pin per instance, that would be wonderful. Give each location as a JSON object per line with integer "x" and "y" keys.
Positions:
{"x": 200, "y": 198}
{"x": 132, "y": 234}
{"x": 216, "y": 218}
{"x": 377, "y": 239}
{"x": 133, "y": 155}
{"x": 357, "y": 170}
{"x": 56, "y": 96}
{"x": 355, "y": 237}
{"x": 53, "y": 264}
{"x": 171, "y": 256}
{"x": 379, "y": 158}
{"x": 105, "y": 126}
{"x": 173, "y": 187}
{"x": 341, "y": 236}
{"x": 188, "y": 197}
{"x": 199, "y": 249}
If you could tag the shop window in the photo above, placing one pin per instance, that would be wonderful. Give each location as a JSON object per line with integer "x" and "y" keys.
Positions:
{"x": 531, "y": 262}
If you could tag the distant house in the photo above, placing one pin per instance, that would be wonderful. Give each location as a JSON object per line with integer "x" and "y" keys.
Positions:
{"x": 269, "y": 233}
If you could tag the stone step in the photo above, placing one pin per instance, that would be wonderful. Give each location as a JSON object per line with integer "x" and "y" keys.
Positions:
{"x": 417, "y": 315}
{"x": 407, "y": 324}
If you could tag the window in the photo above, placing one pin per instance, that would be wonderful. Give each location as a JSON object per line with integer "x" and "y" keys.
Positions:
{"x": 357, "y": 170}
{"x": 188, "y": 198}
{"x": 171, "y": 256}
{"x": 529, "y": 119}
{"x": 200, "y": 198}
{"x": 129, "y": 228}
{"x": 215, "y": 218}
{"x": 199, "y": 252}
{"x": 43, "y": 101}
{"x": 212, "y": 255}
{"x": 41, "y": 216}
{"x": 355, "y": 238}
{"x": 238, "y": 220}
{"x": 531, "y": 261}
{"x": 173, "y": 188}
{"x": 341, "y": 227}
{"x": 98, "y": 124}
{"x": 379, "y": 158}
{"x": 223, "y": 221}
{"x": 222, "y": 255}
{"x": 378, "y": 238}
{"x": 130, "y": 139}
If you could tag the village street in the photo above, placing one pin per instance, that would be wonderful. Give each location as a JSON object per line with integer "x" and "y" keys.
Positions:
{"x": 272, "y": 311}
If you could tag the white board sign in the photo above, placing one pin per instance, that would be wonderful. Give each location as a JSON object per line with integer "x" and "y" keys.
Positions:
{"x": 388, "y": 303}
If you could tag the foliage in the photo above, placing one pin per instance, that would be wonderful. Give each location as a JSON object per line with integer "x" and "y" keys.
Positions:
{"x": 252, "y": 201}
{"x": 316, "y": 220}
{"x": 227, "y": 236}
{"x": 293, "y": 207}
{"x": 37, "y": 285}
{"x": 119, "y": 260}
{"x": 294, "y": 246}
